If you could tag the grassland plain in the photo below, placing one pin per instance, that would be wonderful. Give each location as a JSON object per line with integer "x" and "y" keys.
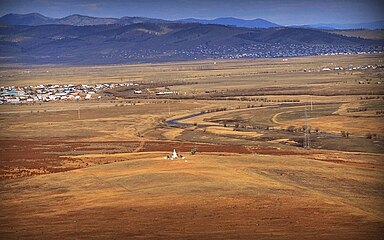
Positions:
{"x": 101, "y": 174}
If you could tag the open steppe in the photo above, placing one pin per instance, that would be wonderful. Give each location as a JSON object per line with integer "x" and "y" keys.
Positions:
{"x": 96, "y": 170}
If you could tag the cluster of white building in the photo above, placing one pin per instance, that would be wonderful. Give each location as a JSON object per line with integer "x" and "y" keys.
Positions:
{"x": 351, "y": 67}
{"x": 47, "y": 93}
{"x": 348, "y": 68}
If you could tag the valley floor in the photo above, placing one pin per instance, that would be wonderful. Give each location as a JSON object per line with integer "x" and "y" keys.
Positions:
{"x": 102, "y": 174}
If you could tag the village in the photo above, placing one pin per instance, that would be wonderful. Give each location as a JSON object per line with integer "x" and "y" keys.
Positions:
{"x": 348, "y": 68}
{"x": 47, "y": 93}
{"x": 72, "y": 92}
{"x": 262, "y": 50}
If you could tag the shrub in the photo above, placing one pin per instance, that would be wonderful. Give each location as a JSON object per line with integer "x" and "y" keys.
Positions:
{"x": 193, "y": 150}
{"x": 291, "y": 129}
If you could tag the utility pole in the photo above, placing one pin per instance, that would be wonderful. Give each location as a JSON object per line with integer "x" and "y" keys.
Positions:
{"x": 169, "y": 109}
{"x": 311, "y": 104}
{"x": 307, "y": 132}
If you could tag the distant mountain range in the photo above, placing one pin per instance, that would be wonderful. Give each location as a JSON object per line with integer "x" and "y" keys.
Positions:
{"x": 36, "y": 19}
{"x": 334, "y": 26}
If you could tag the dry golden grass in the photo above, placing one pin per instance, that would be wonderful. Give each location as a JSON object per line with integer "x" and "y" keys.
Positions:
{"x": 211, "y": 196}
{"x": 368, "y": 34}
{"x": 172, "y": 134}
{"x": 336, "y": 124}
{"x": 229, "y": 131}
{"x": 98, "y": 121}
{"x": 222, "y": 75}
{"x": 103, "y": 176}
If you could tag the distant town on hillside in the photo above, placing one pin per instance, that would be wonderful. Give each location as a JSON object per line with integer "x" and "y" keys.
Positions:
{"x": 84, "y": 40}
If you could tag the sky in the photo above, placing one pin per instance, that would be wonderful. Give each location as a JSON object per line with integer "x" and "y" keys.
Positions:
{"x": 283, "y": 12}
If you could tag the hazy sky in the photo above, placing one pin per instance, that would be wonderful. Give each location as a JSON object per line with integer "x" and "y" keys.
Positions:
{"x": 284, "y": 12}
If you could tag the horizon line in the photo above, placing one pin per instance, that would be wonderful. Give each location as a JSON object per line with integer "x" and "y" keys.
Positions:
{"x": 246, "y": 19}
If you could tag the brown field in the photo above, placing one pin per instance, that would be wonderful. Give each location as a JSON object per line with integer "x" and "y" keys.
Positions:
{"x": 95, "y": 169}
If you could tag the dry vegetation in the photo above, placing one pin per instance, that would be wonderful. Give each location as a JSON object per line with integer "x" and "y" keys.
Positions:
{"x": 362, "y": 33}
{"x": 95, "y": 169}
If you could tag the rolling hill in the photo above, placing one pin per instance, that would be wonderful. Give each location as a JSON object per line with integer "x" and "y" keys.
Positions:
{"x": 36, "y": 19}
{"x": 163, "y": 41}
{"x": 31, "y": 19}
{"x": 333, "y": 26}
{"x": 229, "y": 21}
